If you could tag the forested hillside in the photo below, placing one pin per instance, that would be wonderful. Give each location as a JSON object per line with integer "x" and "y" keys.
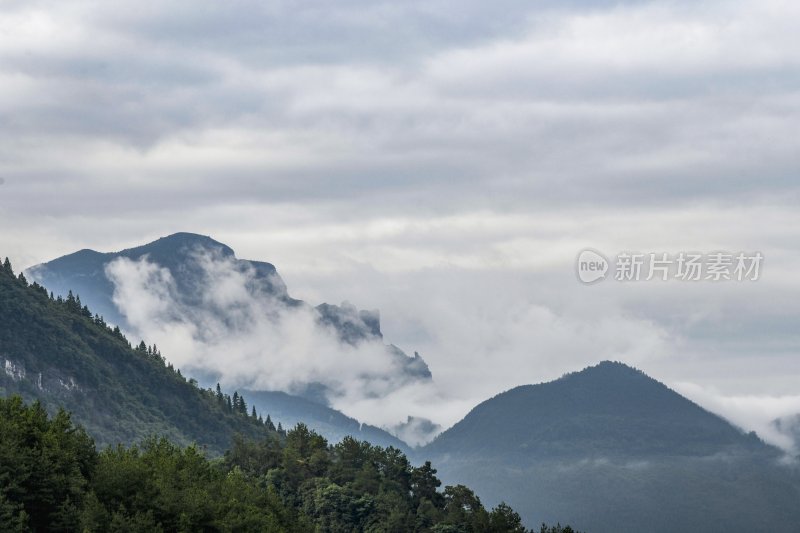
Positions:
{"x": 54, "y": 350}
{"x": 611, "y": 449}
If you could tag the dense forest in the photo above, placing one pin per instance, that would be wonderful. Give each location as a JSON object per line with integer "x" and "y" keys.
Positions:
{"x": 52, "y": 478}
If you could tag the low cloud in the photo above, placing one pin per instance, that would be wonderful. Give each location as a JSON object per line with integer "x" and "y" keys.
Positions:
{"x": 246, "y": 339}
{"x": 752, "y": 412}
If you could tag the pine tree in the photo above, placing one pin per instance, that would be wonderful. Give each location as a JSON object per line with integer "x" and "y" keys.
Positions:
{"x": 7, "y": 267}
{"x": 70, "y": 301}
{"x": 219, "y": 394}
{"x": 253, "y": 413}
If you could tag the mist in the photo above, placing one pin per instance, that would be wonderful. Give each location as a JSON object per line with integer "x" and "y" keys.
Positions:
{"x": 245, "y": 339}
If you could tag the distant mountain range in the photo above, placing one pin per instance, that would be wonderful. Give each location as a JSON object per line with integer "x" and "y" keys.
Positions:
{"x": 609, "y": 449}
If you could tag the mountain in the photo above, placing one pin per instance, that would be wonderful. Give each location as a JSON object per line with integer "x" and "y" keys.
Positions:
{"x": 609, "y": 449}
{"x": 330, "y": 423}
{"x": 55, "y": 351}
{"x": 185, "y": 257}
{"x": 84, "y": 273}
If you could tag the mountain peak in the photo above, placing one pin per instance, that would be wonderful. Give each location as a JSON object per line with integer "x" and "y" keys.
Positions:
{"x": 181, "y": 241}
{"x": 609, "y": 370}
{"x": 606, "y": 409}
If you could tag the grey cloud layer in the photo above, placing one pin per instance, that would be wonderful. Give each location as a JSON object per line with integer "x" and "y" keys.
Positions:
{"x": 283, "y": 101}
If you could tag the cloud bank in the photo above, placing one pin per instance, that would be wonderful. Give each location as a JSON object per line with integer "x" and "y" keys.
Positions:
{"x": 253, "y": 340}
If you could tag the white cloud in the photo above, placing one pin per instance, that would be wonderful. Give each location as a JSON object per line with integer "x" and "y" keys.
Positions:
{"x": 247, "y": 339}
{"x": 750, "y": 412}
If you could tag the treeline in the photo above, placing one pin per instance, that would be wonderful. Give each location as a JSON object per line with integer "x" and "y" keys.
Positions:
{"x": 72, "y": 304}
{"x": 53, "y": 479}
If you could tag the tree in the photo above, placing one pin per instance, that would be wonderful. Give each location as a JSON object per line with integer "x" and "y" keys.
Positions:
{"x": 464, "y": 510}
{"x": 45, "y": 465}
{"x": 503, "y": 519}
{"x": 424, "y": 485}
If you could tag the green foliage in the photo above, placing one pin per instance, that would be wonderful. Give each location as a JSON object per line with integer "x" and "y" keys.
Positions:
{"x": 53, "y": 479}
{"x": 45, "y": 465}
{"x": 354, "y": 486}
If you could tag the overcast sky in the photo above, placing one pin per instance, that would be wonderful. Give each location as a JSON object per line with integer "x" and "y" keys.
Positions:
{"x": 443, "y": 161}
